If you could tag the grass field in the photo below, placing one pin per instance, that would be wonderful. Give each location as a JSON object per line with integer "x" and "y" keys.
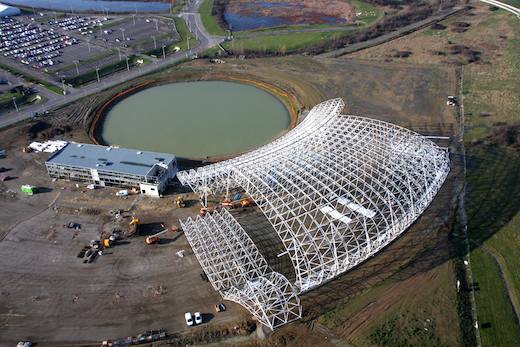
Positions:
{"x": 492, "y": 91}
{"x": 6, "y": 100}
{"x": 281, "y": 44}
{"x": 369, "y": 13}
{"x": 103, "y": 71}
{"x": 210, "y": 22}
{"x": 493, "y": 206}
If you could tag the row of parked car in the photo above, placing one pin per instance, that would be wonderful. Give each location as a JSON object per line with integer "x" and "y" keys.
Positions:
{"x": 30, "y": 44}
{"x": 76, "y": 23}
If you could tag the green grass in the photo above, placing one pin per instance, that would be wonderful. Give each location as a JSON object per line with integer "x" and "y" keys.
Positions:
{"x": 281, "y": 44}
{"x": 32, "y": 79}
{"x": 369, "y": 13}
{"x": 210, "y": 22}
{"x": 179, "y": 5}
{"x": 497, "y": 324}
{"x": 493, "y": 205}
{"x": 6, "y": 100}
{"x": 103, "y": 71}
{"x": 494, "y": 90}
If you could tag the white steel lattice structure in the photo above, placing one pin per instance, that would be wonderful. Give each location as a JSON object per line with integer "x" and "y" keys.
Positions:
{"x": 336, "y": 189}
{"x": 238, "y": 271}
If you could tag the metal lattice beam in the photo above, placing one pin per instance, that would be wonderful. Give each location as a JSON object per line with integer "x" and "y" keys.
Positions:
{"x": 336, "y": 189}
{"x": 238, "y": 271}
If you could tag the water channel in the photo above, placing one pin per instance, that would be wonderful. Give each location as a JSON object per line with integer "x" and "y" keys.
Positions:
{"x": 196, "y": 120}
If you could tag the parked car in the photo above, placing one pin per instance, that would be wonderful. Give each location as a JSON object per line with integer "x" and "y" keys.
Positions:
{"x": 189, "y": 319}
{"x": 220, "y": 307}
{"x": 122, "y": 193}
{"x": 198, "y": 318}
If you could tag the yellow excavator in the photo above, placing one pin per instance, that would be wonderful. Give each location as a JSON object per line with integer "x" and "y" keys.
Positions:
{"x": 180, "y": 202}
{"x": 133, "y": 226}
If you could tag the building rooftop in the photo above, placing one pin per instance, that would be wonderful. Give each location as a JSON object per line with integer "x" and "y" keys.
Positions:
{"x": 120, "y": 160}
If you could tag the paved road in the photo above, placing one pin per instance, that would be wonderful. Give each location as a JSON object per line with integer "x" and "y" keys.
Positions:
{"x": 194, "y": 22}
{"x": 504, "y": 6}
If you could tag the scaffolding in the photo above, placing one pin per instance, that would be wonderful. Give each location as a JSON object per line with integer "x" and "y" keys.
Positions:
{"x": 336, "y": 189}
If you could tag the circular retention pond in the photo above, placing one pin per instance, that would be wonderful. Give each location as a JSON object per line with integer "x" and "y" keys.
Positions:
{"x": 196, "y": 120}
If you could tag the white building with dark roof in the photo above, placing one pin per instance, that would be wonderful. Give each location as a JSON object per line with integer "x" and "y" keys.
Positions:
{"x": 150, "y": 172}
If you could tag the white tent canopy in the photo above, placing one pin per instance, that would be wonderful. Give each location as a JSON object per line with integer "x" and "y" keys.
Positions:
{"x": 336, "y": 189}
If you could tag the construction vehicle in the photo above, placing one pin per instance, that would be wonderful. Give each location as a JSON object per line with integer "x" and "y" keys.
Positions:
{"x": 133, "y": 226}
{"x": 180, "y": 202}
{"x": 246, "y": 202}
{"x": 152, "y": 239}
{"x": 107, "y": 243}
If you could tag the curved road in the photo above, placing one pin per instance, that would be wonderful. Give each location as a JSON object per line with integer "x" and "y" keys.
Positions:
{"x": 194, "y": 22}
{"x": 503, "y": 6}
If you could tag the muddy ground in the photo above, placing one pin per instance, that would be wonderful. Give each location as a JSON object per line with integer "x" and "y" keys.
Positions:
{"x": 138, "y": 287}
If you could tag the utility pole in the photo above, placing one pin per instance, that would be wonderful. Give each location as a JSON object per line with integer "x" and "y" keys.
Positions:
{"x": 154, "y": 42}
{"x": 127, "y": 66}
{"x": 133, "y": 17}
{"x": 88, "y": 44}
{"x": 163, "y": 53}
{"x": 119, "y": 52}
{"x": 156, "y": 25}
{"x": 97, "y": 74}
{"x": 123, "y": 32}
{"x": 15, "y": 105}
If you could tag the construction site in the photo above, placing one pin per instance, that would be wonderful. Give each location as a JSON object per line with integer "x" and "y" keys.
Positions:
{"x": 121, "y": 253}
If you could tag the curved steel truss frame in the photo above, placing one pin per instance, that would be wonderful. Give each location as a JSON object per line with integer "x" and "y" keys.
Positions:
{"x": 238, "y": 271}
{"x": 336, "y": 189}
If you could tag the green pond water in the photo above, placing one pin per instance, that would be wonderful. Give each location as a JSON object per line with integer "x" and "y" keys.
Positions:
{"x": 196, "y": 120}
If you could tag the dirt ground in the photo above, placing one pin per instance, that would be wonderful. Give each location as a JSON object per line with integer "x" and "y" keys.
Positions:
{"x": 151, "y": 286}
{"x": 49, "y": 295}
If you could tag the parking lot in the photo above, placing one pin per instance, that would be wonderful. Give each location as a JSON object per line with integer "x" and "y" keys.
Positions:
{"x": 31, "y": 44}
{"x": 65, "y": 46}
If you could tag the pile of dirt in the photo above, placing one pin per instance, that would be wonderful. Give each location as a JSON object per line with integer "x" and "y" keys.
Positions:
{"x": 459, "y": 27}
{"x": 468, "y": 54}
{"x": 210, "y": 334}
{"x": 45, "y": 131}
{"x": 505, "y": 136}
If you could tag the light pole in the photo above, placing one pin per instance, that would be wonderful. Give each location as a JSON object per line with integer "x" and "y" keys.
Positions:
{"x": 127, "y": 66}
{"x": 133, "y": 17}
{"x": 163, "y": 53}
{"x": 123, "y": 32}
{"x": 88, "y": 44}
{"x": 63, "y": 86}
{"x": 77, "y": 69}
{"x": 97, "y": 74}
{"x": 15, "y": 105}
{"x": 119, "y": 52}
{"x": 156, "y": 25}
{"x": 154, "y": 42}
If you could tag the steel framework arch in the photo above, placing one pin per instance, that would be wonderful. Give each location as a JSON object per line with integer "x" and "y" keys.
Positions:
{"x": 336, "y": 189}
